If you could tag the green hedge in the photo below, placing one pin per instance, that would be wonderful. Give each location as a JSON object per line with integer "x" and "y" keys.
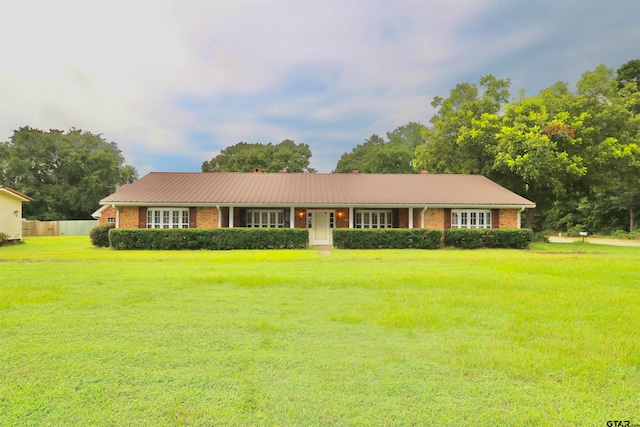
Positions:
{"x": 298, "y": 238}
{"x": 214, "y": 239}
{"x": 99, "y": 235}
{"x": 518, "y": 238}
{"x": 386, "y": 238}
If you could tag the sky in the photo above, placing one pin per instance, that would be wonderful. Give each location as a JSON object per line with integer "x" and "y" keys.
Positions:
{"x": 175, "y": 82}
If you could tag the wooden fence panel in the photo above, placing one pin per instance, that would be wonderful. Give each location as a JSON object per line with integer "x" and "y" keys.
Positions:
{"x": 40, "y": 228}
{"x": 57, "y": 228}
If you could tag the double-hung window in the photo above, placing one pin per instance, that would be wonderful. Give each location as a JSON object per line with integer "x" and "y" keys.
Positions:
{"x": 265, "y": 219}
{"x": 469, "y": 218}
{"x": 168, "y": 218}
{"x": 373, "y": 219}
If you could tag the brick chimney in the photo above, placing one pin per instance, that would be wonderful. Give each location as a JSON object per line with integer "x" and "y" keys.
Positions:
{"x": 257, "y": 170}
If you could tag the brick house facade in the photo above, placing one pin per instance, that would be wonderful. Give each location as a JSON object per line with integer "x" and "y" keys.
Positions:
{"x": 319, "y": 202}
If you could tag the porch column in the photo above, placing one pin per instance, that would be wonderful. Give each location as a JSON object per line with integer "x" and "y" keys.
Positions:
{"x": 117, "y": 216}
{"x": 292, "y": 217}
{"x": 520, "y": 217}
{"x": 350, "y": 217}
{"x": 410, "y": 217}
{"x": 230, "y": 216}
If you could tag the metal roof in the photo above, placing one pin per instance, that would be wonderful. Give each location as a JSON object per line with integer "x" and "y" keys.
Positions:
{"x": 296, "y": 189}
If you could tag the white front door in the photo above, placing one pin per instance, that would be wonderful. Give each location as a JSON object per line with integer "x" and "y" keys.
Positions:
{"x": 320, "y": 231}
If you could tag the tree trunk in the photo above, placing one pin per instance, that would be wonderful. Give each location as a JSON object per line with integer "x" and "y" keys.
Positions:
{"x": 631, "y": 220}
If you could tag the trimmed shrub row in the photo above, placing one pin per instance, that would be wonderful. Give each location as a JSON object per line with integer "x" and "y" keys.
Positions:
{"x": 213, "y": 239}
{"x": 489, "y": 238}
{"x": 298, "y": 238}
{"x": 387, "y": 238}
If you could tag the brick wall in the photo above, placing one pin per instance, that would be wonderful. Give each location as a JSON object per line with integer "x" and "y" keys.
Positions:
{"x": 301, "y": 218}
{"x": 110, "y": 212}
{"x": 342, "y": 218}
{"x": 207, "y": 217}
{"x": 433, "y": 218}
{"x": 128, "y": 216}
{"x": 508, "y": 218}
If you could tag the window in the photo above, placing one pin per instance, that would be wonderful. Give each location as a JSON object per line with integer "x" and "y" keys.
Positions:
{"x": 168, "y": 218}
{"x": 265, "y": 219}
{"x": 111, "y": 220}
{"x": 467, "y": 218}
{"x": 373, "y": 219}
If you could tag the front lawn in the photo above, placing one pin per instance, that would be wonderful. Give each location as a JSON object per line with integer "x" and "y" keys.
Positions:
{"x": 92, "y": 336}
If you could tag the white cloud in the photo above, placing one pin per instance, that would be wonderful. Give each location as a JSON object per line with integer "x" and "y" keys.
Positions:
{"x": 151, "y": 74}
{"x": 101, "y": 66}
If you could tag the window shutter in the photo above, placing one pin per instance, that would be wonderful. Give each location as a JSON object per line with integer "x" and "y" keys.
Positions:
{"x": 243, "y": 217}
{"x": 193, "y": 217}
{"x": 495, "y": 218}
{"x": 142, "y": 217}
{"x": 395, "y": 220}
{"x": 287, "y": 219}
{"x": 447, "y": 218}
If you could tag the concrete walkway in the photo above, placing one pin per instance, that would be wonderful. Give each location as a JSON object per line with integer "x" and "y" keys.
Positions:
{"x": 324, "y": 250}
{"x": 611, "y": 242}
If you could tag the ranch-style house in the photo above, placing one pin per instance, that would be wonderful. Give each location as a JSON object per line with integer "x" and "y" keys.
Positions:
{"x": 319, "y": 202}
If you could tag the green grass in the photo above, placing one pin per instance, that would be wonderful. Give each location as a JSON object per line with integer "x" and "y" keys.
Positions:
{"x": 91, "y": 336}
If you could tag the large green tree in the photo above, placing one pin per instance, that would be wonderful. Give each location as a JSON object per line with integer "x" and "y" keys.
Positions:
{"x": 450, "y": 147}
{"x": 245, "y": 157}
{"x": 629, "y": 72}
{"x": 66, "y": 173}
{"x": 377, "y": 155}
{"x": 562, "y": 149}
{"x": 538, "y": 154}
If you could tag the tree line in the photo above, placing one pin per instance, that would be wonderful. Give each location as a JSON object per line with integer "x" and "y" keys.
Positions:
{"x": 576, "y": 153}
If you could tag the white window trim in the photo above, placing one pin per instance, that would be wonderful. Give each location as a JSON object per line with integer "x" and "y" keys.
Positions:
{"x": 256, "y": 218}
{"x": 370, "y": 218}
{"x": 470, "y": 218}
{"x": 168, "y": 218}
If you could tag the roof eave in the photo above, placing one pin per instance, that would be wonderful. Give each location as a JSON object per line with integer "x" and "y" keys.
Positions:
{"x": 325, "y": 205}
{"x": 16, "y": 194}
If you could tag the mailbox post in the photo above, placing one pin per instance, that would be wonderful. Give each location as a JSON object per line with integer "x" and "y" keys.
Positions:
{"x": 583, "y": 234}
